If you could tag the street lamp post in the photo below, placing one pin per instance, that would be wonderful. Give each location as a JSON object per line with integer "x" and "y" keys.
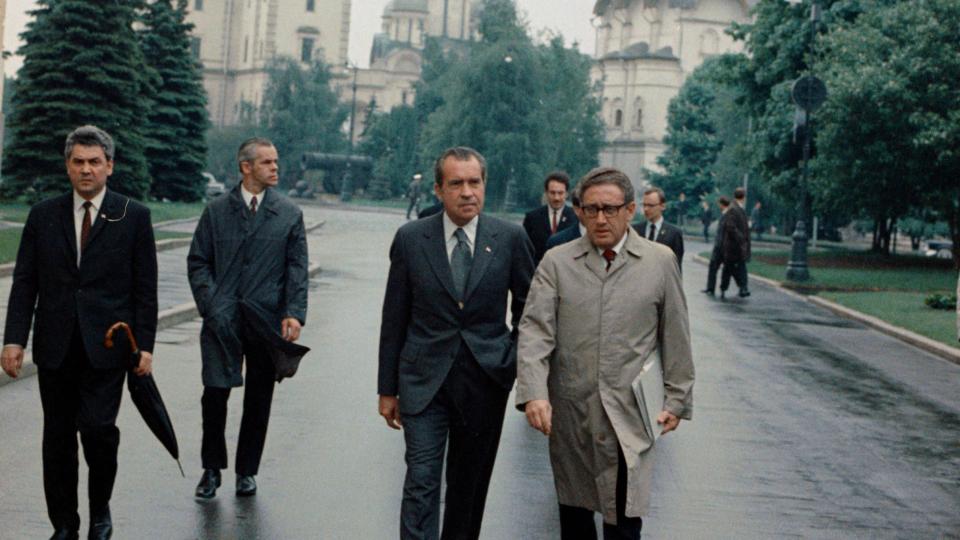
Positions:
{"x": 346, "y": 187}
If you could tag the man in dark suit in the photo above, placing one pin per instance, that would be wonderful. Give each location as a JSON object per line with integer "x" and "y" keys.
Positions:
{"x": 249, "y": 256}
{"x": 86, "y": 260}
{"x": 655, "y": 228}
{"x": 447, "y": 357}
{"x": 570, "y": 233}
{"x": 736, "y": 245}
{"x": 552, "y": 217}
{"x": 716, "y": 256}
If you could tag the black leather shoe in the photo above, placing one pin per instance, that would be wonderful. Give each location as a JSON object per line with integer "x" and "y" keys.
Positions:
{"x": 744, "y": 293}
{"x": 101, "y": 526}
{"x": 246, "y": 485}
{"x": 707, "y": 292}
{"x": 65, "y": 534}
{"x": 209, "y": 482}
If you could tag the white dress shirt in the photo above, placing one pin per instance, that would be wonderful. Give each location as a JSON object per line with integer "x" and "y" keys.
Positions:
{"x": 616, "y": 249}
{"x": 551, "y": 212}
{"x": 450, "y": 230}
{"x": 247, "y": 197}
{"x": 656, "y": 228}
{"x": 78, "y": 212}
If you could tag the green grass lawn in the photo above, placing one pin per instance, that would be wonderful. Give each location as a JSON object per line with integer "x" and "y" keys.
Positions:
{"x": 903, "y": 309}
{"x": 9, "y": 242}
{"x": 159, "y": 211}
{"x": 16, "y": 212}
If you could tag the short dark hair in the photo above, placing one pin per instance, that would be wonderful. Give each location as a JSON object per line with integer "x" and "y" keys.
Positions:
{"x": 89, "y": 136}
{"x": 460, "y": 153}
{"x": 739, "y": 193}
{"x": 247, "y": 152}
{"x": 557, "y": 176}
{"x": 607, "y": 175}
{"x": 658, "y": 191}
{"x": 723, "y": 201}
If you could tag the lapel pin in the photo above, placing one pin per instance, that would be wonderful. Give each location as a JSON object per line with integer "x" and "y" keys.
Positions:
{"x": 487, "y": 249}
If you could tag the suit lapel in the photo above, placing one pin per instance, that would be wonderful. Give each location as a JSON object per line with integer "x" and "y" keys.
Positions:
{"x": 435, "y": 251}
{"x": 265, "y": 211}
{"x": 112, "y": 208}
{"x": 484, "y": 249}
{"x": 69, "y": 228}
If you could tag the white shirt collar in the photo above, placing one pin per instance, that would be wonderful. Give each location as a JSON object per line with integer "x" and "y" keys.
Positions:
{"x": 657, "y": 223}
{"x": 96, "y": 203}
{"x": 449, "y": 228}
{"x": 619, "y": 246}
{"x": 247, "y": 196}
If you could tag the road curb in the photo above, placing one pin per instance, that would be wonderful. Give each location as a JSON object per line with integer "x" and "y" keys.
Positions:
{"x": 936, "y": 348}
{"x": 165, "y": 319}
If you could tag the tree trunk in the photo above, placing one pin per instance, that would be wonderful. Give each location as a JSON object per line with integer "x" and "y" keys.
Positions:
{"x": 875, "y": 246}
{"x": 953, "y": 218}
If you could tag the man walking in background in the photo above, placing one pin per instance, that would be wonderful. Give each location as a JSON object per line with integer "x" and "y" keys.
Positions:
{"x": 86, "y": 260}
{"x": 599, "y": 309}
{"x": 736, "y": 245}
{"x": 447, "y": 357}
{"x": 716, "y": 256}
{"x": 655, "y": 228}
{"x": 248, "y": 256}
{"x": 551, "y": 218}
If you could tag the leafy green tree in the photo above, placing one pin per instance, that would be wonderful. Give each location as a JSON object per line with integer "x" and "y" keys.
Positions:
{"x": 892, "y": 74}
{"x": 82, "y": 65}
{"x": 175, "y": 143}
{"x": 300, "y": 113}
{"x": 391, "y": 140}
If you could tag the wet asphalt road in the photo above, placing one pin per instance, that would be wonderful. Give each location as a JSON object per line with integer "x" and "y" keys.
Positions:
{"x": 805, "y": 426}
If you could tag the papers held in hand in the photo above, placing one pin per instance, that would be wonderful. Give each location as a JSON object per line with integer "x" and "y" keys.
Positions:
{"x": 648, "y": 389}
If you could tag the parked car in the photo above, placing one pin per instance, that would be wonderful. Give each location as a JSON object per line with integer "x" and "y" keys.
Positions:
{"x": 214, "y": 188}
{"x": 940, "y": 249}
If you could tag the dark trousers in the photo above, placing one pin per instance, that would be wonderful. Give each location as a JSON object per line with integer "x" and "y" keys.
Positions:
{"x": 414, "y": 207}
{"x": 738, "y": 271}
{"x": 257, "y": 398}
{"x": 706, "y": 232}
{"x": 76, "y": 397}
{"x": 465, "y": 417}
{"x": 577, "y": 523}
{"x": 712, "y": 270}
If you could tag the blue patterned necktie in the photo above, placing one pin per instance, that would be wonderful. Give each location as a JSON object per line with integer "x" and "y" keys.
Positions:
{"x": 460, "y": 262}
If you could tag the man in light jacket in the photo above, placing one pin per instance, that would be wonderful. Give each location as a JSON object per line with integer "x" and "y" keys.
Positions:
{"x": 598, "y": 308}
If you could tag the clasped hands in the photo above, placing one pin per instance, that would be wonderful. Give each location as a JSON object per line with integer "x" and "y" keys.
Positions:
{"x": 540, "y": 417}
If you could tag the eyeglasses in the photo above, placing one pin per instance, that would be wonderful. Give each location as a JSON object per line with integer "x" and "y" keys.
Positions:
{"x": 591, "y": 210}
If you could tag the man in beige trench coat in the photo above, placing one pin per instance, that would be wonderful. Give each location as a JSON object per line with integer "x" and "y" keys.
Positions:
{"x": 597, "y": 308}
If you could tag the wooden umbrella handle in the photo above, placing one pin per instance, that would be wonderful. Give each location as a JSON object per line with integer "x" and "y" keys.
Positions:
{"x": 108, "y": 340}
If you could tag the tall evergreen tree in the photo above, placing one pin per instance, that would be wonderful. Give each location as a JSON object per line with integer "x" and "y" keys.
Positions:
{"x": 82, "y": 65}
{"x": 175, "y": 143}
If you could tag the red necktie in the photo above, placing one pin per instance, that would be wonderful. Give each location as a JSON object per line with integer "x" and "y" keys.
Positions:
{"x": 253, "y": 205}
{"x": 553, "y": 226}
{"x": 609, "y": 255}
{"x": 85, "y": 226}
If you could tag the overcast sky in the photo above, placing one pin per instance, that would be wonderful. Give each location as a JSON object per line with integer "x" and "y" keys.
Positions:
{"x": 568, "y": 17}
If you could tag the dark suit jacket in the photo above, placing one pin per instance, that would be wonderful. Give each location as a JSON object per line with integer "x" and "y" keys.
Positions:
{"x": 116, "y": 281}
{"x": 668, "y": 235}
{"x": 733, "y": 233}
{"x": 430, "y": 210}
{"x": 424, "y": 320}
{"x": 537, "y": 225}
{"x": 238, "y": 258}
{"x": 562, "y": 237}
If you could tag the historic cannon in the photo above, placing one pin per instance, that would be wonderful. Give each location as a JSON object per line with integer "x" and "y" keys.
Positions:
{"x": 341, "y": 172}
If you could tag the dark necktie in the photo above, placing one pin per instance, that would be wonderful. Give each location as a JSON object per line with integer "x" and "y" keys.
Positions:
{"x": 553, "y": 223}
{"x": 609, "y": 255}
{"x": 85, "y": 226}
{"x": 460, "y": 262}
{"x": 652, "y": 233}
{"x": 253, "y": 205}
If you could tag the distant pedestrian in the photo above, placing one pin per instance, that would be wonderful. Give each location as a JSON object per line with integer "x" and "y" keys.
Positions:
{"x": 716, "y": 256}
{"x": 87, "y": 259}
{"x": 447, "y": 357}
{"x": 413, "y": 193}
{"x": 551, "y": 218}
{"x": 655, "y": 228}
{"x": 706, "y": 218}
{"x": 756, "y": 220}
{"x": 249, "y": 255}
{"x": 736, "y": 246}
{"x": 599, "y": 308}
{"x": 570, "y": 233}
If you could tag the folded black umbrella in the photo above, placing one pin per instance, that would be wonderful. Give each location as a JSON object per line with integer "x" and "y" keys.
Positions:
{"x": 146, "y": 396}
{"x": 285, "y": 355}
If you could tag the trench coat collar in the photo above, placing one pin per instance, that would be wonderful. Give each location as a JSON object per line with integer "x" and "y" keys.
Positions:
{"x": 266, "y": 209}
{"x": 633, "y": 246}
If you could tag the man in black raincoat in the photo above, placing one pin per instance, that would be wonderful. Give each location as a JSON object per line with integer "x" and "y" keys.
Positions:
{"x": 249, "y": 251}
